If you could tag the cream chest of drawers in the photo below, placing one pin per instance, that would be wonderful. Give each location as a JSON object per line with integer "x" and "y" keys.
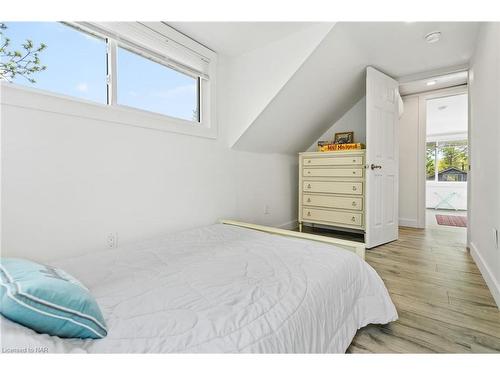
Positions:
{"x": 331, "y": 189}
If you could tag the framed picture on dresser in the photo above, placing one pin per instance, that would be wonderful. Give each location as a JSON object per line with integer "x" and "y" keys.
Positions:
{"x": 345, "y": 137}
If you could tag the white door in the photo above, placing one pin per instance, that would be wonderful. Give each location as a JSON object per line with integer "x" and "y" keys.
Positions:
{"x": 381, "y": 158}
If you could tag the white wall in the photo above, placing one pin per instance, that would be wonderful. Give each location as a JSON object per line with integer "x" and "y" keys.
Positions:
{"x": 353, "y": 120}
{"x": 257, "y": 76}
{"x": 409, "y": 164}
{"x": 485, "y": 158}
{"x": 438, "y": 193}
{"x": 320, "y": 92}
{"x": 68, "y": 180}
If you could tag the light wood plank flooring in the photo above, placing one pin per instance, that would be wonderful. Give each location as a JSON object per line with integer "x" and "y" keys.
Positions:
{"x": 442, "y": 300}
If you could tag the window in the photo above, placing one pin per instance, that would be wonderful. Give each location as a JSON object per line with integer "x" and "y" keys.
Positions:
{"x": 74, "y": 61}
{"x": 451, "y": 159}
{"x": 145, "y": 84}
{"x": 141, "y": 66}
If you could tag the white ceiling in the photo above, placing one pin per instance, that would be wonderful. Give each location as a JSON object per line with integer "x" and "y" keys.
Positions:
{"x": 331, "y": 80}
{"x": 399, "y": 48}
{"x": 447, "y": 115}
{"x": 235, "y": 38}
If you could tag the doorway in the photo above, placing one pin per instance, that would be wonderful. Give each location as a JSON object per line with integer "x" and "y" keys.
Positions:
{"x": 446, "y": 162}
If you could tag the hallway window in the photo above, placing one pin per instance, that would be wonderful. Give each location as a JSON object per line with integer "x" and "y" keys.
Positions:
{"x": 451, "y": 159}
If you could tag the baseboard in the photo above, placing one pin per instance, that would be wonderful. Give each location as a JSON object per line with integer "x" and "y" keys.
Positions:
{"x": 294, "y": 224}
{"x": 492, "y": 283}
{"x": 412, "y": 223}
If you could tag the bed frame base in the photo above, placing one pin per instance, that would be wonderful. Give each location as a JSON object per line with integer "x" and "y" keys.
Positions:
{"x": 355, "y": 247}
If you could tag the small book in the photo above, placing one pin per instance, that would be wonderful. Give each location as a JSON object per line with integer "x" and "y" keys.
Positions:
{"x": 325, "y": 146}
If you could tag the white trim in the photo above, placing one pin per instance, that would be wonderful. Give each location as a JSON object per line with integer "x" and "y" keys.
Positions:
{"x": 433, "y": 74}
{"x": 356, "y": 247}
{"x": 421, "y": 161}
{"x": 411, "y": 223}
{"x": 156, "y": 40}
{"x": 290, "y": 225}
{"x": 470, "y": 146}
{"x": 24, "y": 97}
{"x": 112, "y": 82}
{"x": 491, "y": 282}
{"x": 440, "y": 93}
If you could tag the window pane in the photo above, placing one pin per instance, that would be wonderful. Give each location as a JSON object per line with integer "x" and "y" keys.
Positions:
{"x": 430, "y": 161}
{"x": 145, "y": 84}
{"x": 453, "y": 161}
{"x": 75, "y": 61}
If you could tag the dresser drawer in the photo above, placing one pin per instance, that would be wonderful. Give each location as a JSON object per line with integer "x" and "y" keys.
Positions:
{"x": 335, "y": 217}
{"x": 333, "y": 172}
{"x": 346, "y": 203}
{"x": 334, "y": 160}
{"x": 337, "y": 187}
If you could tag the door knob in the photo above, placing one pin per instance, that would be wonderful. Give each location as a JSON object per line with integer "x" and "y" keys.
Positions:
{"x": 373, "y": 166}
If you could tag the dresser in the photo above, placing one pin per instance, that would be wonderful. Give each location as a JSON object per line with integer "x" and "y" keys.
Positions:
{"x": 331, "y": 189}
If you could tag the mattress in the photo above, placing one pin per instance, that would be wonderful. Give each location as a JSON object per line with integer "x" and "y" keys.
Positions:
{"x": 221, "y": 288}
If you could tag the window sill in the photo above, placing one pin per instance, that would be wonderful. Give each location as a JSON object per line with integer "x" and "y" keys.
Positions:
{"x": 446, "y": 183}
{"x": 41, "y": 100}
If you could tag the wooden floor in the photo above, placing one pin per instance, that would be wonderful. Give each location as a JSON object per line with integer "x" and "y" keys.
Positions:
{"x": 442, "y": 300}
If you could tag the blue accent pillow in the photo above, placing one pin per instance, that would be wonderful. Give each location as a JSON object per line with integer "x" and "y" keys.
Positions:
{"x": 48, "y": 300}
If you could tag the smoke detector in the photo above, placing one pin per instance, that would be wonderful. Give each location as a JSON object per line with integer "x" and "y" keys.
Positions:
{"x": 433, "y": 37}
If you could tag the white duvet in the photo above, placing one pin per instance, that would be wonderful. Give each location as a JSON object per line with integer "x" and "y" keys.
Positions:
{"x": 222, "y": 289}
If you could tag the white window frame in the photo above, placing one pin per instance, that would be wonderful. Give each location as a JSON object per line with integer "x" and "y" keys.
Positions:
{"x": 21, "y": 96}
{"x": 436, "y": 160}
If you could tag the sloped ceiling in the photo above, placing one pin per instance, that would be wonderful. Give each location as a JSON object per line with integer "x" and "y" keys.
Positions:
{"x": 248, "y": 83}
{"x": 331, "y": 80}
{"x": 289, "y": 82}
{"x": 237, "y": 38}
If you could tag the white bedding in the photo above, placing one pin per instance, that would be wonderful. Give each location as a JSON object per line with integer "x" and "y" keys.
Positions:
{"x": 222, "y": 289}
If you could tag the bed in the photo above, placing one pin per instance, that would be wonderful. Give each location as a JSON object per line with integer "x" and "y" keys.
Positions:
{"x": 229, "y": 287}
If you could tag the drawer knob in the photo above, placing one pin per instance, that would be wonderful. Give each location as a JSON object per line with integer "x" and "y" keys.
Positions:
{"x": 308, "y": 186}
{"x": 309, "y": 161}
{"x": 308, "y": 213}
{"x": 308, "y": 172}
{"x": 354, "y": 160}
{"x": 353, "y": 219}
{"x": 353, "y": 172}
{"x": 354, "y": 203}
{"x": 308, "y": 200}
{"x": 354, "y": 188}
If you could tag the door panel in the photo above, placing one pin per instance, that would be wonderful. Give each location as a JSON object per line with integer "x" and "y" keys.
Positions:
{"x": 381, "y": 153}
